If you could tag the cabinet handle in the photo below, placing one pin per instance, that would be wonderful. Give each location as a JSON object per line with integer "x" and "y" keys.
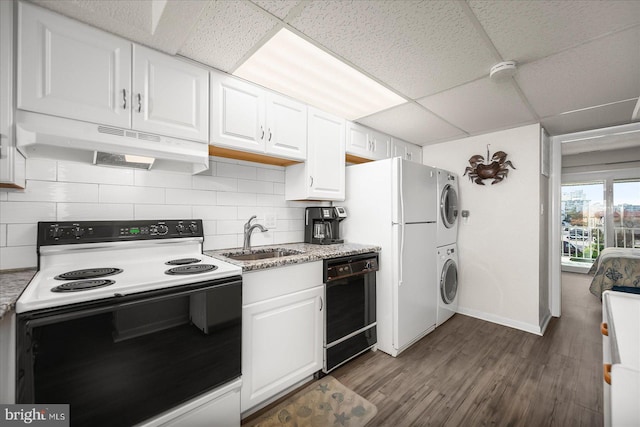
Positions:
{"x": 604, "y": 328}
{"x": 321, "y": 304}
{"x": 269, "y": 134}
{"x": 139, "y": 103}
{"x": 124, "y": 99}
{"x": 262, "y": 129}
{"x": 311, "y": 185}
{"x": 408, "y": 156}
{"x": 373, "y": 145}
{"x": 607, "y": 373}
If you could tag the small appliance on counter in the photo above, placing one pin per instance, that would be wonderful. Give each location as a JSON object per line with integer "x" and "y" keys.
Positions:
{"x": 322, "y": 224}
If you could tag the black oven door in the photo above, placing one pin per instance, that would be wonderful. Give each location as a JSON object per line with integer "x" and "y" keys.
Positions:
{"x": 122, "y": 361}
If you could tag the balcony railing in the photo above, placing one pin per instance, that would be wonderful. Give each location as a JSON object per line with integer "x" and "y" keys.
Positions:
{"x": 583, "y": 244}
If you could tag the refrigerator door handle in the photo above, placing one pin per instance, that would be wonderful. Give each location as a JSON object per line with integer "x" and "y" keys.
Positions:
{"x": 402, "y": 224}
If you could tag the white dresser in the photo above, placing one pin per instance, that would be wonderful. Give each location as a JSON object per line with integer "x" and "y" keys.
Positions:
{"x": 621, "y": 358}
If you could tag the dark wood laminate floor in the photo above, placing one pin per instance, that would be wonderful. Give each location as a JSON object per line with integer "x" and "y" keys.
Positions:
{"x": 469, "y": 372}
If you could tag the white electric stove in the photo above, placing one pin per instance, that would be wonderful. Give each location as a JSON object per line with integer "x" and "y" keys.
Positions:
{"x": 88, "y": 260}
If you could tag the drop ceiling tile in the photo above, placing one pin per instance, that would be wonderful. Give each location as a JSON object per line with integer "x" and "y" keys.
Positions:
{"x": 479, "y": 106}
{"x": 596, "y": 73}
{"x": 594, "y": 118}
{"x": 225, "y": 32}
{"x": 135, "y": 20}
{"x": 279, "y": 8}
{"x": 528, "y": 30}
{"x": 418, "y": 48}
{"x": 412, "y": 123}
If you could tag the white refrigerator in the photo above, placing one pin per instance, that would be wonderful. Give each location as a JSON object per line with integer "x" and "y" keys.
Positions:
{"x": 393, "y": 203}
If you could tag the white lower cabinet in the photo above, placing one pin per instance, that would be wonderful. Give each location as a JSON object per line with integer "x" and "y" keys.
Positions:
{"x": 282, "y": 331}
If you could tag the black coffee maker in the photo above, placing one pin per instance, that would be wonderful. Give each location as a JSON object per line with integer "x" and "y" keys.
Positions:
{"x": 321, "y": 224}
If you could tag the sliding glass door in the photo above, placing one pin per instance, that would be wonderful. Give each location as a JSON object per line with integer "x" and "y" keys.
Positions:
{"x": 626, "y": 214}
{"x": 596, "y": 215}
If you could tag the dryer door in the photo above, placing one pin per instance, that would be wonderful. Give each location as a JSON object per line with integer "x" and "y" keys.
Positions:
{"x": 449, "y": 282}
{"x": 449, "y": 206}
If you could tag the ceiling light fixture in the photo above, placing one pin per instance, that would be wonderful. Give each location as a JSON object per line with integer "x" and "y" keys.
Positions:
{"x": 503, "y": 71}
{"x": 293, "y": 66}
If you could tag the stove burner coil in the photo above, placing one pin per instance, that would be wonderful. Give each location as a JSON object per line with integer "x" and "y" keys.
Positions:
{"x": 182, "y": 261}
{"x": 88, "y": 273}
{"x": 82, "y": 285}
{"x": 191, "y": 269}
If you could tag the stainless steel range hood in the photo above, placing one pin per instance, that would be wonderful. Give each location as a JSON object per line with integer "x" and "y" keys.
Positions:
{"x": 41, "y": 135}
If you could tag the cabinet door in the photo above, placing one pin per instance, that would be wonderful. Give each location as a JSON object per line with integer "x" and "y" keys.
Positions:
{"x": 237, "y": 114}
{"x": 358, "y": 140}
{"x": 170, "y": 96}
{"x": 380, "y": 145}
{"x": 325, "y": 159}
{"x": 69, "y": 69}
{"x": 286, "y": 127}
{"x": 281, "y": 344}
{"x": 414, "y": 153}
{"x": 398, "y": 148}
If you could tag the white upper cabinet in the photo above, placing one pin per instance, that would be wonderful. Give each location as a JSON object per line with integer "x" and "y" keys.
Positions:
{"x": 170, "y": 96}
{"x": 12, "y": 164}
{"x": 247, "y": 117}
{"x": 286, "y": 127}
{"x": 366, "y": 143}
{"x": 406, "y": 150}
{"x": 237, "y": 113}
{"x": 321, "y": 177}
{"x": 69, "y": 69}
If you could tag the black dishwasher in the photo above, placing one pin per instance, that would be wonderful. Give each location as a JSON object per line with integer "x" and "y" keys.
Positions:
{"x": 350, "y": 313}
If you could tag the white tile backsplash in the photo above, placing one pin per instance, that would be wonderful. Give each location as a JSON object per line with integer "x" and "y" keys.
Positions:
{"x": 22, "y": 234}
{"x": 236, "y": 199}
{"x": 81, "y": 172}
{"x": 42, "y": 169}
{"x": 252, "y": 186}
{"x": 48, "y": 191}
{"x": 190, "y": 197}
{"x": 94, "y": 211}
{"x": 224, "y": 197}
{"x": 3, "y": 235}
{"x": 161, "y": 179}
{"x": 231, "y": 170}
{"x": 162, "y": 211}
{"x": 27, "y": 212}
{"x": 214, "y": 183}
{"x": 17, "y": 257}
{"x": 130, "y": 194}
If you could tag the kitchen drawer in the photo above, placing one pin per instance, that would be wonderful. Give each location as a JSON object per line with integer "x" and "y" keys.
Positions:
{"x": 261, "y": 285}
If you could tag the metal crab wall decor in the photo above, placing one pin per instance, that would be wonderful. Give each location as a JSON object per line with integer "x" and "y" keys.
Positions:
{"x": 496, "y": 170}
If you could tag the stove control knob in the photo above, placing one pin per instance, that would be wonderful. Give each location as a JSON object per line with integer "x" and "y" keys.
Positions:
{"x": 193, "y": 228}
{"x": 78, "y": 232}
{"x": 55, "y": 232}
{"x": 162, "y": 229}
{"x": 180, "y": 228}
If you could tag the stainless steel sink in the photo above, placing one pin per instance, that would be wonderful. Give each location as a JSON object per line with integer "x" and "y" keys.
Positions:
{"x": 261, "y": 254}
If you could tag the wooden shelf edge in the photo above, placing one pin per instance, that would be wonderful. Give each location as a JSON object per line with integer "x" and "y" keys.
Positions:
{"x": 356, "y": 160}
{"x": 229, "y": 153}
{"x": 12, "y": 186}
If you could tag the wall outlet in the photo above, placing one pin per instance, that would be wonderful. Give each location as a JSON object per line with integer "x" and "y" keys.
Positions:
{"x": 270, "y": 220}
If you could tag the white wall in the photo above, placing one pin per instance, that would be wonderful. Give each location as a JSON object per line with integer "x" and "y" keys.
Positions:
{"x": 499, "y": 274}
{"x": 224, "y": 197}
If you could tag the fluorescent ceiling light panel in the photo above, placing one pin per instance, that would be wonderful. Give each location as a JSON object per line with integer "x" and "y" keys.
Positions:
{"x": 291, "y": 65}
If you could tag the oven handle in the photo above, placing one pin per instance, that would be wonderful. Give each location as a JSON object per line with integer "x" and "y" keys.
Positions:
{"x": 58, "y": 314}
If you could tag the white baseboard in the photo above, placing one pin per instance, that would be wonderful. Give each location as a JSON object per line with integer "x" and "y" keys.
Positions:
{"x": 526, "y": 327}
{"x": 545, "y": 323}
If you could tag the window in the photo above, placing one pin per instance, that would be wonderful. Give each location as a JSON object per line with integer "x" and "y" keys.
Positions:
{"x": 626, "y": 214}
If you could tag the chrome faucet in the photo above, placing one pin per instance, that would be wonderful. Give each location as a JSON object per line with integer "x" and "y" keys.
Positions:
{"x": 248, "y": 229}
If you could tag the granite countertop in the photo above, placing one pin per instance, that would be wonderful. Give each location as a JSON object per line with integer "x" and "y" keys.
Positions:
{"x": 12, "y": 283}
{"x": 308, "y": 253}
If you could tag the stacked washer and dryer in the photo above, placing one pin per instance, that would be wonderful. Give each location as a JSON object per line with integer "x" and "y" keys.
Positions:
{"x": 446, "y": 243}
